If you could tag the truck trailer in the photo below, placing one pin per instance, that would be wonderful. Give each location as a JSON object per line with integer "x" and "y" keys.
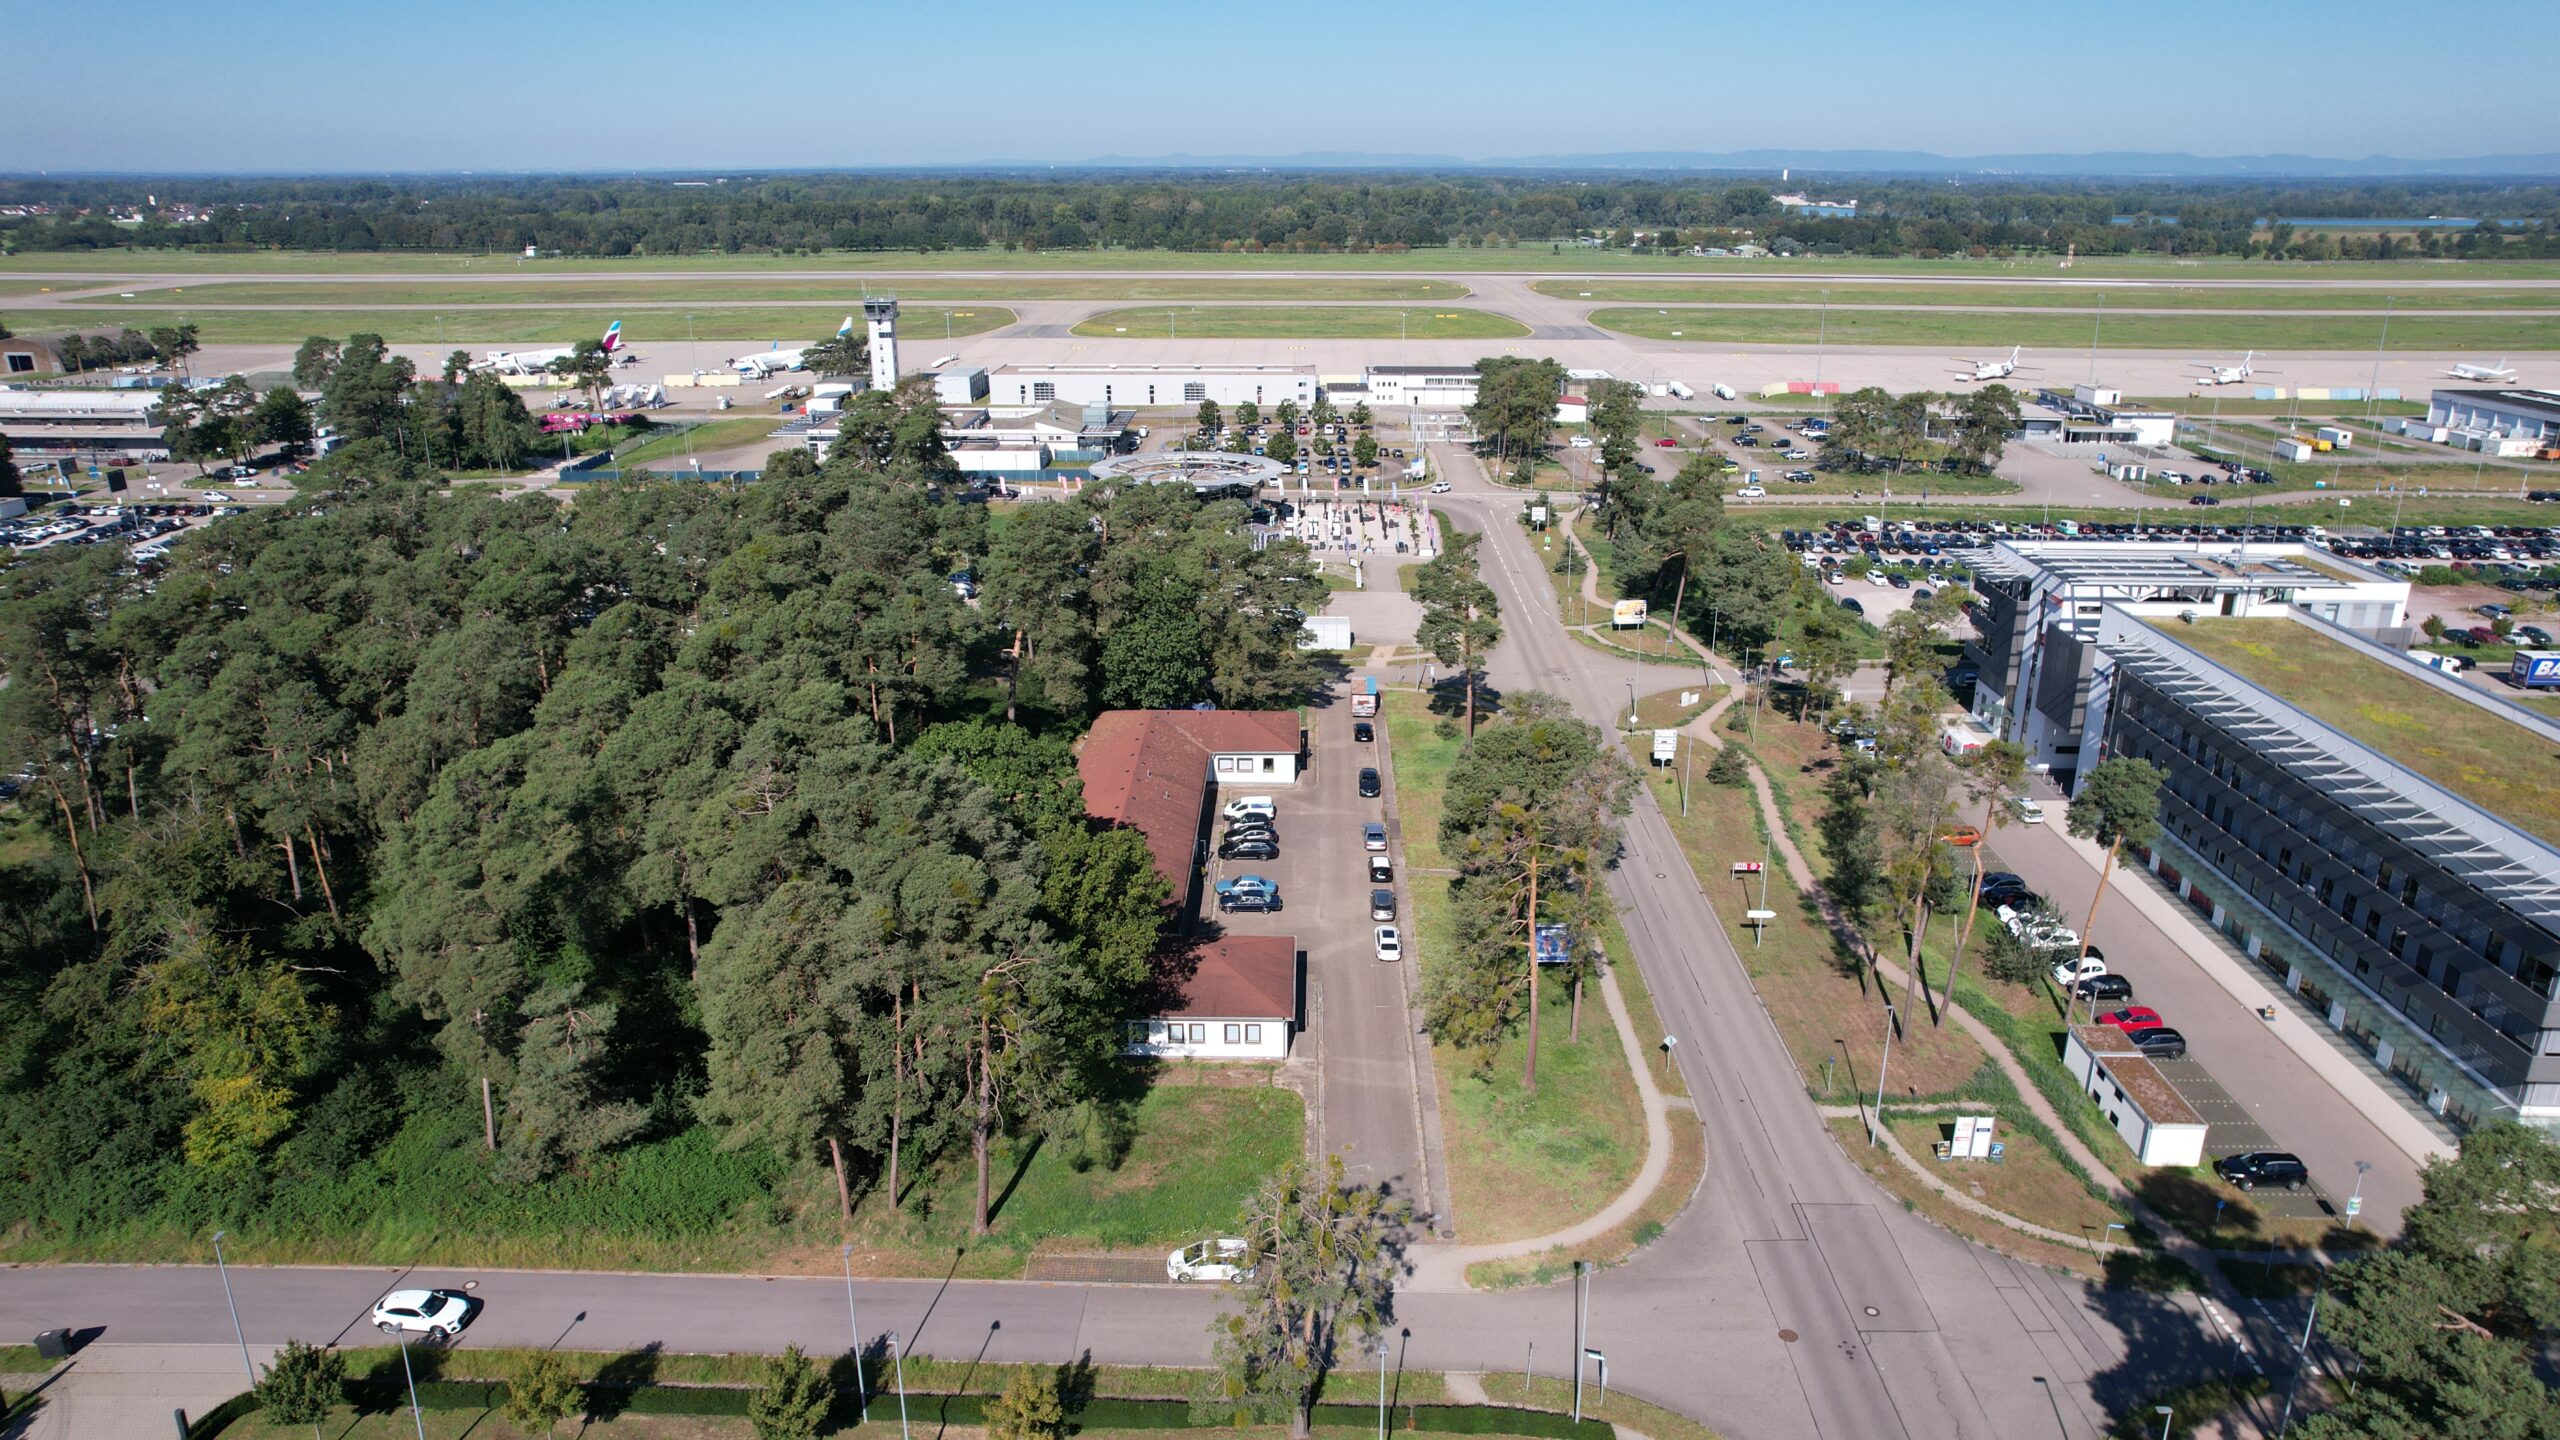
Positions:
{"x": 2535, "y": 670}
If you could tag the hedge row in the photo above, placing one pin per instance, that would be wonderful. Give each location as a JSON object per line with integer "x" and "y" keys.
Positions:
{"x": 967, "y": 1410}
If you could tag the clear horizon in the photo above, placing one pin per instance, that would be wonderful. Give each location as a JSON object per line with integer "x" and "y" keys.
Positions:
{"x": 473, "y": 86}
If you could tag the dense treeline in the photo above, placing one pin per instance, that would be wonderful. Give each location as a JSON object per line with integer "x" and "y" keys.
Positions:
{"x": 686, "y": 819}
{"x": 645, "y": 216}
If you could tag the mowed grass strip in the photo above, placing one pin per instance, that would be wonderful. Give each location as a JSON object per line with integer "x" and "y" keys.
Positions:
{"x": 1531, "y": 255}
{"x": 463, "y": 326}
{"x": 2059, "y": 295}
{"x": 1520, "y": 1163}
{"x": 2203, "y": 332}
{"x": 675, "y": 442}
{"x": 1283, "y": 322}
{"x": 715, "y": 290}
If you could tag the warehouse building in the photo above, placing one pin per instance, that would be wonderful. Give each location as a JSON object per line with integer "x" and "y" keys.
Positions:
{"x": 1153, "y": 386}
{"x": 2037, "y": 604}
{"x": 2502, "y": 422}
{"x": 2405, "y": 892}
{"x": 114, "y": 423}
{"x": 2094, "y": 415}
{"x": 1438, "y": 387}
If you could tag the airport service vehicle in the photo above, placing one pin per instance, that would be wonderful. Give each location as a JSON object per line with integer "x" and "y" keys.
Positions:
{"x": 1373, "y": 837}
{"x": 1722, "y": 392}
{"x": 534, "y": 362}
{"x": 1388, "y": 942}
{"x": 1221, "y": 1260}
{"x": 1364, "y": 700}
{"x": 437, "y": 1313}
{"x": 2263, "y": 1167}
{"x": 1244, "y": 805}
{"x": 1382, "y": 904}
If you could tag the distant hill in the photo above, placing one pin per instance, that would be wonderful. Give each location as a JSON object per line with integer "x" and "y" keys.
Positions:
{"x": 2099, "y": 164}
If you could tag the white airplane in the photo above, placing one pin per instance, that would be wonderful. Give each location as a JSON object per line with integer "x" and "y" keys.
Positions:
{"x": 2227, "y": 374}
{"x": 777, "y": 359}
{"x": 2499, "y": 374}
{"x": 1991, "y": 369}
{"x": 534, "y": 362}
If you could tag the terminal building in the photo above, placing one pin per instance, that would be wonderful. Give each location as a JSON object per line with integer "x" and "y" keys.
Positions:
{"x": 2096, "y": 415}
{"x": 107, "y": 423}
{"x": 2037, "y": 605}
{"x": 1152, "y": 386}
{"x": 1438, "y": 387}
{"x": 2381, "y": 839}
{"x": 2511, "y": 422}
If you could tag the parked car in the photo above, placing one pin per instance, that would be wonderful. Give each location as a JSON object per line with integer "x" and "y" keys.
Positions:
{"x": 1750, "y": 492}
{"x": 1248, "y": 893}
{"x": 1388, "y": 942}
{"x": 2000, "y": 883}
{"x": 1244, "y": 805}
{"x": 1258, "y": 846}
{"x": 2158, "y": 1042}
{"x": 2131, "y": 1017}
{"x": 1667, "y": 442}
{"x": 1381, "y": 870}
{"x": 1382, "y": 904}
{"x": 2026, "y": 811}
{"x": 1220, "y": 1260}
{"x": 2263, "y": 1167}
{"x": 1362, "y": 732}
{"x": 1369, "y": 782}
{"x": 1373, "y": 836}
{"x": 1438, "y": 487}
{"x": 2070, "y": 969}
{"x": 1962, "y": 835}
{"x": 438, "y": 1313}
{"x": 2099, "y": 989}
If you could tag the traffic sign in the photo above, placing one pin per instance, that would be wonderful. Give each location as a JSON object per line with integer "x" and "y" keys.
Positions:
{"x": 2355, "y": 1206}
{"x": 1746, "y": 867}
{"x": 1759, "y": 917}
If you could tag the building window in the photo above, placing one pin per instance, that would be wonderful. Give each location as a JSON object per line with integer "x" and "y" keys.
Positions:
{"x": 1235, "y": 1034}
{"x": 1226, "y": 764}
{"x": 1253, "y": 1034}
{"x": 1193, "y": 390}
{"x": 21, "y": 363}
{"x": 1270, "y": 766}
{"x": 1044, "y": 392}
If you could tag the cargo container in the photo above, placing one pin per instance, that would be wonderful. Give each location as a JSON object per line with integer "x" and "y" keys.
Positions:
{"x": 2337, "y": 436}
{"x": 2535, "y": 670}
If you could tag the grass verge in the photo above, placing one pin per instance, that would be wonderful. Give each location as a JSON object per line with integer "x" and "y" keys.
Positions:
{"x": 1282, "y": 322}
{"x": 718, "y": 290}
{"x": 461, "y": 327}
{"x": 2201, "y": 331}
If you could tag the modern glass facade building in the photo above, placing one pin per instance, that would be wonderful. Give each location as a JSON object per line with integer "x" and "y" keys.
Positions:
{"x": 2383, "y": 839}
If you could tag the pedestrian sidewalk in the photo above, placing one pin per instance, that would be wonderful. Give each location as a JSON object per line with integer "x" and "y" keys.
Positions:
{"x": 126, "y": 1392}
{"x": 2217, "y": 956}
{"x": 1893, "y": 1145}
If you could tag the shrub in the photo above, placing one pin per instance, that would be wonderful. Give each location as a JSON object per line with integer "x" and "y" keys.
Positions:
{"x": 545, "y": 1394}
{"x": 1729, "y": 768}
{"x": 301, "y": 1384}
{"x": 791, "y": 1397}
{"x": 1029, "y": 1408}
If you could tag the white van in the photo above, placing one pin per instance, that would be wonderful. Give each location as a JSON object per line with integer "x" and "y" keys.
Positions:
{"x": 1244, "y": 805}
{"x": 2026, "y": 811}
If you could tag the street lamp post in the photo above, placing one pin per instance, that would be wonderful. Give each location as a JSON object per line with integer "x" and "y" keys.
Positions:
{"x": 2301, "y": 1363}
{"x": 1581, "y": 1328}
{"x": 1631, "y": 704}
{"x": 417, "y": 1416}
{"x": 236, "y": 1332}
{"x": 1877, "y": 1121}
{"x": 2355, "y": 1201}
{"x": 2165, "y": 1414}
{"x": 853, "y": 1318}
{"x": 898, "y": 1358}
{"x": 1382, "y": 1386}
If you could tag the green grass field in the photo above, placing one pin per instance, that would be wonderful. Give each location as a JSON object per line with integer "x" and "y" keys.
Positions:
{"x": 2201, "y": 332}
{"x": 2156, "y": 295}
{"x": 463, "y": 326}
{"x": 1332, "y": 322}
{"x": 1531, "y": 256}
{"x": 717, "y": 290}
{"x": 670, "y": 447}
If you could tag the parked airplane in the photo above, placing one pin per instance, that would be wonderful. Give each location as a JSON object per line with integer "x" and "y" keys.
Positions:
{"x": 534, "y": 362}
{"x": 1991, "y": 369}
{"x": 2227, "y": 374}
{"x": 2499, "y": 374}
{"x": 777, "y": 359}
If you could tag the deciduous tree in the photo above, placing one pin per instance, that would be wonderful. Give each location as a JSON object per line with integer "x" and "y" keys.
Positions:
{"x": 1320, "y": 1273}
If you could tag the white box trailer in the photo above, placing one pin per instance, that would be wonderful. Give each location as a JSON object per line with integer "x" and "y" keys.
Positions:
{"x": 2338, "y": 436}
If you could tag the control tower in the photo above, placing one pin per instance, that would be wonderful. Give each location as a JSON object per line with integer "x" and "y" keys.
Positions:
{"x": 880, "y": 313}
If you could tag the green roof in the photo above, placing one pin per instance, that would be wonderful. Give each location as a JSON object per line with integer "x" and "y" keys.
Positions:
{"x": 2499, "y": 763}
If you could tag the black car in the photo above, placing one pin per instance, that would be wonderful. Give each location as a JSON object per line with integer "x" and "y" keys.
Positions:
{"x": 1368, "y": 782}
{"x": 1249, "y": 901}
{"x": 2263, "y": 1167}
{"x": 1253, "y": 828}
{"x": 2101, "y": 988}
{"x": 1363, "y": 732}
{"x": 2158, "y": 1042}
{"x": 1251, "y": 847}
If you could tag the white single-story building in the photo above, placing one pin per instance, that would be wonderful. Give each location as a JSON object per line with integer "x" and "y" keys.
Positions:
{"x": 1179, "y": 386}
{"x": 1326, "y": 632}
{"x": 1234, "y": 998}
{"x": 1441, "y": 387}
{"x": 2146, "y": 1110}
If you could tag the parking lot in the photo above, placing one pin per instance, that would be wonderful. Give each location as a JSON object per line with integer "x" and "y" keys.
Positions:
{"x": 1360, "y": 1012}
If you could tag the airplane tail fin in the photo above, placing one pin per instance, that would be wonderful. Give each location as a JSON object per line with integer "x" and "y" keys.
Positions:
{"x": 613, "y": 337}
{"x": 846, "y": 328}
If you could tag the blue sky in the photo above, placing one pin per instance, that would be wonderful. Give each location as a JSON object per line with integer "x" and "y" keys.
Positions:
{"x": 467, "y": 84}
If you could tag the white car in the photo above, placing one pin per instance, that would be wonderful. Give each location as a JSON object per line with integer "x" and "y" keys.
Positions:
{"x": 1222, "y": 1259}
{"x": 1749, "y": 492}
{"x": 1580, "y": 442}
{"x": 1244, "y": 805}
{"x": 1389, "y": 943}
{"x": 439, "y": 1313}
{"x": 213, "y": 497}
{"x": 1439, "y": 487}
{"x": 2072, "y": 969}
{"x": 2027, "y": 812}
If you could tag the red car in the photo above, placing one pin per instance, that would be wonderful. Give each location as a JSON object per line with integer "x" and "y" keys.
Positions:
{"x": 1666, "y": 442}
{"x": 2131, "y": 1017}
